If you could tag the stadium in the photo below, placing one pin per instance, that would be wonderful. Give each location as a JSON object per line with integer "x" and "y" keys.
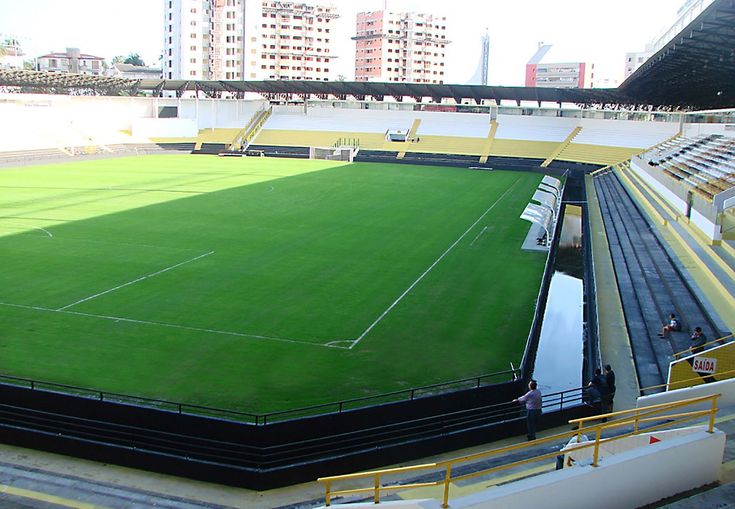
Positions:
{"x": 260, "y": 283}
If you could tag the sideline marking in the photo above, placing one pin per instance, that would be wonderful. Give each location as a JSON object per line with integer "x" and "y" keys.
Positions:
{"x": 133, "y": 281}
{"x": 174, "y": 326}
{"x": 44, "y": 230}
{"x": 395, "y": 302}
{"x": 478, "y": 235}
{"x": 45, "y": 497}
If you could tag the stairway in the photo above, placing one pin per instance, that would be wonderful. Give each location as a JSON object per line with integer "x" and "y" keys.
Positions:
{"x": 650, "y": 284}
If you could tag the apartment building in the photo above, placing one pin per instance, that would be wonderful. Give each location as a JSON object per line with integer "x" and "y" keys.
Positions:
{"x": 11, "y": 53}
{"x": 543, "y": 71}
{"x": 400, "y": 46}
{"x": 248, "y": 40}
{"x": 72, "y": 61}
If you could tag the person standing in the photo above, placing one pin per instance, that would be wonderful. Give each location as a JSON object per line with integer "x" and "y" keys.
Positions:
{"x": 533, "y": 401}
{"x": 599, "y": 392}
{"x": 698, "y": 340}
{"x": 610, "y": 379}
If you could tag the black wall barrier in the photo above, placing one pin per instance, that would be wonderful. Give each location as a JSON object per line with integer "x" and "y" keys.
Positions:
{"x": 265, "y": 456}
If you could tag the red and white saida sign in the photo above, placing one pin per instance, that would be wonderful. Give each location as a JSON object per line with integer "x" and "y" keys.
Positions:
{"x": 705, "y": 365}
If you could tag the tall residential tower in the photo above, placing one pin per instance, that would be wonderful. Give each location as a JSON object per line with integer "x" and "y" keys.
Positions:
{"x": 248, "y": 40}
{"x": 400, "y": 46}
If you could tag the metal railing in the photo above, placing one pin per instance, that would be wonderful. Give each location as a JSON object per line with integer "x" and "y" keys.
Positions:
{"x": 683, "y": 384}
{"x": 690, "y": 350}
{"x": 264, "y": 418}
{"x": 637, "y": 417}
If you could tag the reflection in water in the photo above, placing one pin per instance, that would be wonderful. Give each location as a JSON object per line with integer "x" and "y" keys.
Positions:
{"x": 560, "y": 354}
{"x": 560, "y": 349}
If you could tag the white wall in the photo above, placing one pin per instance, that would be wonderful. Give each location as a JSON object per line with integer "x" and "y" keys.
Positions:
{"x": 515, "y": 127}
{"x": 219, "y": 113}
{"x": 165, "y": 128}
{"x": 695, "y": 130}
{"x": 625, "y": 133}
{"x": 724, "y": 387}
{"x": 710, "y": 229}
{"x": 637, "y": 165}
{"x": 629, "y": 479}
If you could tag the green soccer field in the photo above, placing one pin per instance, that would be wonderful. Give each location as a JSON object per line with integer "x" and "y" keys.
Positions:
{"x": 261, "y": 284}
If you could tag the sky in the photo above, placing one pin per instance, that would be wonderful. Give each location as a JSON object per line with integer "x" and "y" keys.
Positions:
{"x": 580, "y": 30}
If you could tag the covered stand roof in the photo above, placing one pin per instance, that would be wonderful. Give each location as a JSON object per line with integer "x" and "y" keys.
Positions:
{"x": 360, "y": 90}
{"x": 696, "y": 68}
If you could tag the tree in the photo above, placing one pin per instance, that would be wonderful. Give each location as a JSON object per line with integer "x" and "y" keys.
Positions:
{"x": 134, "y": 59}
{"x": 29, "y": 65}
{"x": 118, "y": 59}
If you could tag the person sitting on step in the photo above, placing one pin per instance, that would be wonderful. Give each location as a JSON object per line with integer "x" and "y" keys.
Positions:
{"x": 673, "y": 325}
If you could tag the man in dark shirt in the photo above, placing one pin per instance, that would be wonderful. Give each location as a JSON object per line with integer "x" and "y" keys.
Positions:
{"x": 610, "y": 379}
{"x": 598, "y": 392}
{"x": 698, "y": 340}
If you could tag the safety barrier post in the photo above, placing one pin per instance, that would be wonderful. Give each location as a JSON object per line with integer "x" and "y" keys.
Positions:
{"x": 597, "y": 447}
{"x": 712, "y": 414}
{"x": 377, "y": 488}
{"x": 328, "y": 496}
{"x": 447, "y": 478}
{"x": 635, "y": 422}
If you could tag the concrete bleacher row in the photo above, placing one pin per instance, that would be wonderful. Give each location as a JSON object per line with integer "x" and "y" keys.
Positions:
{"x": 650, "y": 284}
{"x": 40, "y": 156}
{"x": 594, "y": 141}
{"x": 705, "y": 163}
{"x": 54, "y": 122}
{"x": 89, "y": 126}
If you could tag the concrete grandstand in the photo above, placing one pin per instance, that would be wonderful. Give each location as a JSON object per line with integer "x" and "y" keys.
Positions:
{"x": 652, "y": 170}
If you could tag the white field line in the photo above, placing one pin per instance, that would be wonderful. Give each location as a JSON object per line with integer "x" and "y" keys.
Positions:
{"x": 175, "y": 326}
{"x": 478, "y": 236}
{"x": 134, "y": 281}
{"x": 44, "y": 230}
{"x": 400, "y": 297}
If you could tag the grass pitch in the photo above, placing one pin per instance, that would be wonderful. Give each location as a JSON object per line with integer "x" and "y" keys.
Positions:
{"x": 261, "y": 284}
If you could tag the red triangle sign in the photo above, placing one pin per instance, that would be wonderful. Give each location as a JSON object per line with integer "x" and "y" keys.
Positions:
{"x": 653, "y": 440}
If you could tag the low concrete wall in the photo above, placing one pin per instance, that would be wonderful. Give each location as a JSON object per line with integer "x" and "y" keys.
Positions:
{"x": 165, "y": 128}
{"x": 629, "y": 479}
{"x": 639, "y": 166}
{"x": 725, "y": 387}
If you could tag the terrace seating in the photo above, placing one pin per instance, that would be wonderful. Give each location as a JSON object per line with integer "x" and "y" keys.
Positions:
{"x": 705, "y": 163}
{"x": 649, "y": 283}
{"x": 624, "y": 133}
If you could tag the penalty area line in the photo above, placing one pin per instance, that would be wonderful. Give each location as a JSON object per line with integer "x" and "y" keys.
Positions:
{"x": 418, "y": 279}
{"x": 478, "y": 236}
{"x": 175, "y": 326}
{"x": 85, "y": 299}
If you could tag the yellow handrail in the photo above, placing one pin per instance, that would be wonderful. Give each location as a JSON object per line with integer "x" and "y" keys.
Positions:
{"x": 718, "y": 340}
{"x": 680, "y": 382}
{"x": 636, "y": 417}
